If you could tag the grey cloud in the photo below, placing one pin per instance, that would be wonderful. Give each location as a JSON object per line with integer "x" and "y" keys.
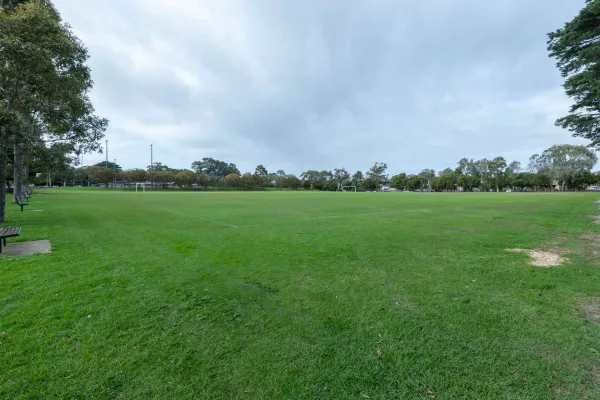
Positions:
{"x": 302, "y": 85}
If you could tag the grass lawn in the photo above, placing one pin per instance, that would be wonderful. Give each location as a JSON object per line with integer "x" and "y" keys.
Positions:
{"x": 301, "y": 295}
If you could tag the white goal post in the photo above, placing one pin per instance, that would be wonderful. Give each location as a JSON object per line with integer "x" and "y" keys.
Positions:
{"x": 348, "y": 188}
{"x": 143, "y": 185}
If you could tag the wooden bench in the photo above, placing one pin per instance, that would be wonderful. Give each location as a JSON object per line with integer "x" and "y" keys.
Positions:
{"x": 20, "y": 203}
{"x": 7, "y": 233}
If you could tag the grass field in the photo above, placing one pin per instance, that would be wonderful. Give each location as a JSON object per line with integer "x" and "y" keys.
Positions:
{"x": 302, "y": 296}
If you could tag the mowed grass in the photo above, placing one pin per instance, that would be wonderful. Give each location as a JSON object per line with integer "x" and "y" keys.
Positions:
{"x": 300, "y": 295}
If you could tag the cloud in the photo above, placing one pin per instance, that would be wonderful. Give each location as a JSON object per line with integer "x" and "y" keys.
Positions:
{"x": 317, "y": 85}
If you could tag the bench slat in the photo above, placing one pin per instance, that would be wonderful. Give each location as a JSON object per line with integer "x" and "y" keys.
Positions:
{"x": 10, "y": 232}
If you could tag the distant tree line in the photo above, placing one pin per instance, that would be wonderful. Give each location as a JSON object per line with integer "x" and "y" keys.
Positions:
{"x": 560, "y": 167}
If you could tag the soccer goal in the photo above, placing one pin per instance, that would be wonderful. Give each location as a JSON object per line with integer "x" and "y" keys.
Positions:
{"x": 142, "y": 185}
{"x": 348, "y": 188}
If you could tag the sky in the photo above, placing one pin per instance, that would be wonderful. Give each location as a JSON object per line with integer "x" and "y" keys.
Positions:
{"x": 310, "y": 84}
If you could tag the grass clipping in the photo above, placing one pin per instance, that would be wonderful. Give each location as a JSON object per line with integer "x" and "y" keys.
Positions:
{"x": 540, "y": 258}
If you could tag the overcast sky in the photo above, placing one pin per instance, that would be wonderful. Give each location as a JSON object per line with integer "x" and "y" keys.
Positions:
{"x": 315, "y": 84}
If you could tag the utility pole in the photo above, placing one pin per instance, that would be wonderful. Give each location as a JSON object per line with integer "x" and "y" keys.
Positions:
{"x": 115, "y": 172}
{"x": 106, "y": 149}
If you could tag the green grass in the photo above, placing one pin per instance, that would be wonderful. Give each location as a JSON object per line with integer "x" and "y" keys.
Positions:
{"x": 290, "y": 295}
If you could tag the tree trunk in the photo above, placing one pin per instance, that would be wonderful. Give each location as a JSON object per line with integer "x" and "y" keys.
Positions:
{"x": 562, "y": 188}
{"x": 18, "y": 173}
{"x": 2, "y": 175}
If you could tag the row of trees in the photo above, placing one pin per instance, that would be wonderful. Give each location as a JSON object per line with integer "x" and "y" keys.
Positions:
{"x": 557, "y": 168}
{"x": 45, "y": 110}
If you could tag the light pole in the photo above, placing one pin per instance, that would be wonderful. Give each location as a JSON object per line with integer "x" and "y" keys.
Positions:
{"x": 151, "y": 168}
{"x": 115, "y": 172}
{"x": 106, "y": 149}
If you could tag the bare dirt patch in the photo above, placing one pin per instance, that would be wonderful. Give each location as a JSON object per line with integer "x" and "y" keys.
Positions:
{"x": 541, "y": 258}
{"x": 591, "y": 310}
{"x": 596, "y": 219}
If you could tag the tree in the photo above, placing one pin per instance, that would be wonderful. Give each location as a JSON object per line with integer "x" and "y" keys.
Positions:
{"x": 415, "y": 182}
{"x": 427, "y": 175}
{"x": 231, "y": 180}
{"x": 468, "y": 182}
{"x": 44, "y": 83}
{"x": 496, "y": 169}
{"x": 399, "y": 181}
{"x": 81, "y": 176}
{"x": 138, "y": 175}
{"x": 101, "y": 174}
{"x": 511, "y": 171}
{"x": 205, "y": 180}
{"x": 561, "y": 163}
{"x": 369, "y": 184}
{"x": 217, "y": 168}
{"x": 576, "y": 47}
{"x": 158, "y": 167}
{"x": 262, "y": 176}
{"x": 109, "y": 164}
{"x": 184, "y": 178}
{"x": 446, "y": 180}
{"x": 357, "y": 178}
{"x": 249, "y": 181}
{"x": 293, "y": 182}
{"x": 377, "y": 173}
{"x": 583, "y": 179}
{"x": 340, "y": 175}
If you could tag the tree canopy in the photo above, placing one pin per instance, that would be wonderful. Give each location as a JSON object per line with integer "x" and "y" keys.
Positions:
{"x": 217, "y": 168}
{"x": 576, "y": 47}
{"x": 44, "y": 85}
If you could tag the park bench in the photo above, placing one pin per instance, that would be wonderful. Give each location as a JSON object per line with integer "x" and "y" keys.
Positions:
{"x": 27, "y": 194}
{"x": 7, "y": 233}
{"x": 20, "y": 203}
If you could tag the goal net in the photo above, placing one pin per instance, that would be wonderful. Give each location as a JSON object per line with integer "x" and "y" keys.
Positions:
{"x": 348, "y": 188}
{"x": 142, "y": 185}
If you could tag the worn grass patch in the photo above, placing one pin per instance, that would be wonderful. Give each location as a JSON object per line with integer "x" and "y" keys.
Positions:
{"x": 301, "y": 295}
{"x": 541, "y": 258}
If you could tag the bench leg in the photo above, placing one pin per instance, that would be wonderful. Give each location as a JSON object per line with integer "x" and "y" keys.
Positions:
{"x": 21, "y": 208}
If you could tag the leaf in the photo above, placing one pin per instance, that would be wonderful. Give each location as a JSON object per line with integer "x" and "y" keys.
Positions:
{"x": 379, "y": 353}
{"x": 364, "y": 395}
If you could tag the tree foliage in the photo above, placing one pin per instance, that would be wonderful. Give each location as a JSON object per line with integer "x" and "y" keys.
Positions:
{"x": 217, "y": 168}
{"x": 44, "y": 85}
{"x": 563, "y": 162}
{"x": 576, "y": 47}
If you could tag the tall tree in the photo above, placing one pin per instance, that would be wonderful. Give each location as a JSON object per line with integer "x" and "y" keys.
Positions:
{"x": 44, "y": 83}
{"x": 428, "y": 175}
{"x": 496, "y": 168}
{"x": 357, "y": 178}
{"x": 563, "y": 162}
{"x": 262, "y": 176}
{"x": 214, "y": 167}
{"x": 576, "y": 47}
{"x": 340, "y": 175}
{"x": 377, "y": 173}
